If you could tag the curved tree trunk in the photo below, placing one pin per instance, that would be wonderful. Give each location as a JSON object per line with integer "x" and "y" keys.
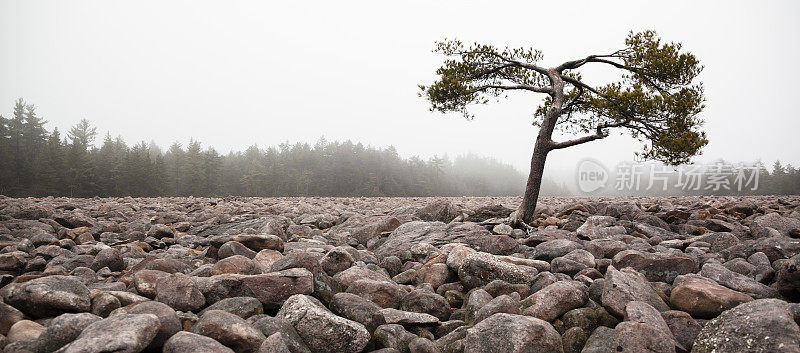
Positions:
{"x": 526, "y": 212}
{"x": 527, "y": 208}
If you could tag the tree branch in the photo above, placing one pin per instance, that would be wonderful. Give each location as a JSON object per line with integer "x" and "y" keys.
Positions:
{"x": 574, "y": 64}
{"x": 514, "y": 87}
{"x": 599, "y": 134}
{"x": 530, "y": 66}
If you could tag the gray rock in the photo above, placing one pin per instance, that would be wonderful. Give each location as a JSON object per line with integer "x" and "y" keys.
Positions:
{"x": 180, "y": 292}
{"x": 233, "y": 248}
{"x": 502, "y": 304}
{"x": 621, "y": 287}
{"x": 556, "y": 299}
{"x": 272, "y": 325}
{"x": 243, "y": 307}
{"x": 480, "y": 268}
{"x": 512, "y": 333}
{"x": 230, "y": 330}
{"x": 274, "y": 344}
{"x": 573, "y": 262}
{"x": 602, "y": 340}
{"x": 764, "y": 325}
{"x": 8, "y": 317}
{"x": 643, "y": 330}
{"x": 384, "y": 293}
{"x": 104, "y": 303}
{"x": 776, "y": 221}
{"x": 405, "y": 318}
{"x": 425, "y": 301}
{"x": 573, "y": 340}
{"x": 439, "y": 210}
{"x": 24, "y": 330}
{"x": 49, "y": 296}
{"x": 400, "y": 241}
{"x": 736, "y": 281}
{"x": 320, "y": 329}
{"x": 704, "y": 299}
{"x": 118, "y": 333}
{"x": 62, "y": 330}
{"x": 683, "y": 327}
{"x": 336, "y": 260}
{"x": 355, "y": 308}
{"x": 394, "y": 336}
{"x": 656, "y": 267}
{"x": 145, "y": 282}
{"x": 271, "y": 289}
{"x": 255, "y": 242}
{"x": 170, "y": 324}
{"x": 186, "y": 342}
{"x": 108, "y": 257}
{"x": 552, "y": 249}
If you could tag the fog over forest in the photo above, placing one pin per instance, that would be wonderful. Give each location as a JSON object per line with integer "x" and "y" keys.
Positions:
{"x": 80, "y": 163}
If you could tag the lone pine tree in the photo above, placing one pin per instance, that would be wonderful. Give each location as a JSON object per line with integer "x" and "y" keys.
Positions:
{"x": 655, "y": 99}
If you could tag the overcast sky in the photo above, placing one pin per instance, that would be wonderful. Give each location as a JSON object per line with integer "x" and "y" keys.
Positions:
{"x": 236, "y": 73}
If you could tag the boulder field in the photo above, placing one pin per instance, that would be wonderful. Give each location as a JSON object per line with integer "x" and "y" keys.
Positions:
{"x": 302, "y": 275}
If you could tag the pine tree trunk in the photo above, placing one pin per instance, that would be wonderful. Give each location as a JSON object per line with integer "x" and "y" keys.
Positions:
{"x": 527, "y": 208}
{"x": 526, "y": 212}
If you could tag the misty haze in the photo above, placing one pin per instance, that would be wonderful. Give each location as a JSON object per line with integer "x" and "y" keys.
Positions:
{"x": 450, "y": 176}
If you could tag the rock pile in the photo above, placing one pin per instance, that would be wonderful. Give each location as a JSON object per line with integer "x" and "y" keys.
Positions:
{"x": 301, "y": 275}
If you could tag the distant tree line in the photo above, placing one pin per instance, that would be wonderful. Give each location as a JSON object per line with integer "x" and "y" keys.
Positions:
{"x": 37, "y": 162}
{"x": 720, "y": 178}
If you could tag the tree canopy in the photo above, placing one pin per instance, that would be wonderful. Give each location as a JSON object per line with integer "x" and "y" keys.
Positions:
{"x": 655, "y": 98}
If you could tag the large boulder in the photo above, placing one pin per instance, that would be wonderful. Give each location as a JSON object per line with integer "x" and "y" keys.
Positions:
{"x": 271, "y": 289}
{"x": 170, "y": 324}
{"x": 788, "y": 279}
{"x": 487, "y": 212}
{"x": 355, "y": 308}
{"x": 704, "y": 299}
{"x": 400, "y": 241}
{"x": 656, "y": 267}
{"x": 185, "y": 342}
{"x": 243, "y": 307}
{"x": 764, "y": 325}
{"x": 118, "y": 333}
{"x": 322, "y": 330}
{"x": 776, "y": 221}
{"x": 180, "y": 292}
{"x": 49, "y": 296}
{"x": 684, "y": 328}
{"x": 623, "y": 286}
{"x": 374, "y": 227}
{"x": 512, "y": 333}
{"x": 556, "y": 299}
{"x": 439, "y": 210}
{"x": 270, "y": 326}
{"x": 736, "y": 281}
{"x": 386, "y": 294}
{"x": 266, "y": 225}
{"x": 24, "y": 331}
{"x": 255, "y": 242}
{"x": 230, "y": 330}
{"x": 480, "y": 268}
{"x": 62, "y": 330}
{"x": 599, "y": 227}
{"x": 8, "y": 317}
{"x": 644, "y": 330}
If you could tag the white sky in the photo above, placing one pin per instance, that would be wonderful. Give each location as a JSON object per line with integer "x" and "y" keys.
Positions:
{"x": 235, "y": 73}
